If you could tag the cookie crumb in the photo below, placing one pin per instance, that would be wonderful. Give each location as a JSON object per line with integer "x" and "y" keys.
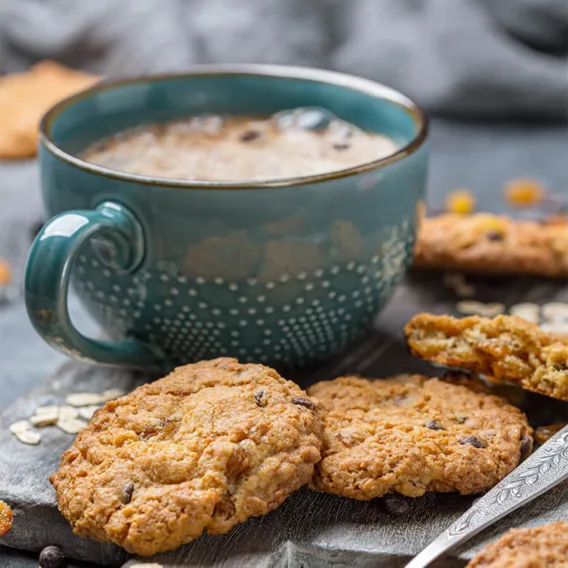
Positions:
{"x": 524, "y": 192}
{"x": 460, "y": 201}
{"x": 5, "y": 272}
{"x": 6, "y": 518}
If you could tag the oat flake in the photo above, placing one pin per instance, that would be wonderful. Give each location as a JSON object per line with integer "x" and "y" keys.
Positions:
{"x": 28, "y": 437}
{"x": 87, "y": 412}
{"x": 111, "y": 394}
{"x": 555, "y": 311}
{"x": 45, "y": 418}
{"x": 84, "y": 399}
{"x": 471, "y": 307}
{"x": 527, "y": 311}
{"x": 71, "y": 425}
{"x": 19, "y": 426}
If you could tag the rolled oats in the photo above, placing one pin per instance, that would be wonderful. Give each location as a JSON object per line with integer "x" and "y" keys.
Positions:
{"x": 84, "y": 399}
{"x": 527, "y": 311}
{"x": 71, "y": 425}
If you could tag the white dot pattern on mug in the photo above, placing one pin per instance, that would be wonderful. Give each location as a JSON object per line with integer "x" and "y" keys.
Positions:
{"x": 292, "y": 317}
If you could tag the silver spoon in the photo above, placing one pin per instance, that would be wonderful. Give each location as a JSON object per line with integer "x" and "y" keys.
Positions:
{"x": 543, "y": 470}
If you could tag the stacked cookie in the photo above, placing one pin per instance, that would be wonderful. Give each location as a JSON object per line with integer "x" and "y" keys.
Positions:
{"x": 217, "y": 442}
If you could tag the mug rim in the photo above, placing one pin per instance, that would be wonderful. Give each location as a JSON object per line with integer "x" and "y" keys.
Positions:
{"x": 362, "y": 85}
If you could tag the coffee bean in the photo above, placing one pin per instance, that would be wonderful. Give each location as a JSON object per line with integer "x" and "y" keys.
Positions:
{"x": 51, "y": 557}
{"x": 305, "y": 402}
{"x": 526, "y": 446}
{"x": 250, "y": 135}
{"x": 434, "y": 425}
{"x": 395, "y": 505}
{"x": 473, "y": 441}
{"x": 342, "y": 146}
{"x": 259, "y": 398}
{"x": 127, "y": 492}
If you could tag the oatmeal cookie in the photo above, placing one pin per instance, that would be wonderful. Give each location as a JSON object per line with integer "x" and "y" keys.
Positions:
{"x": 411, "y": 435}
{"x": 25, "y": 97}
{"x": 507, "y": 348}
{"x": 492, "y": 244}
{"x": 539, "y": 547}
{"x": 202, "y": 449}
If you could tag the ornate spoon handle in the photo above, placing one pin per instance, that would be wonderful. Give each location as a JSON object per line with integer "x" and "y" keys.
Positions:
{"x": 543, "y": 470}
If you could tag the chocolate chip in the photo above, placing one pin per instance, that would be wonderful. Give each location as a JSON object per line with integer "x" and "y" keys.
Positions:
{"x": 306, "y": 402}
{"x": 434, "y": 425}
{"x": 51, "y": 557}
{"x": 461, "y": 419}
{"x": 526, "y": 446}
{"x": 127, "y": 491}
{"x": 259, "y": 398}
{"x": 342, "y": 146}
{"x": 494, "y": 236}
{"x": 250, "y": 135}
{"x": 395, "y": 505}
{"x": 473, "y": 441}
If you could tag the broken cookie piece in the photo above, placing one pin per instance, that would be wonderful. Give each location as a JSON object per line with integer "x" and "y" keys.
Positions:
{"x": 507, "y": 348}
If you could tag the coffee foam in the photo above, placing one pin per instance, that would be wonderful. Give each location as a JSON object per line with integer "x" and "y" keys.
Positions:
{"x": 291, "y": 143}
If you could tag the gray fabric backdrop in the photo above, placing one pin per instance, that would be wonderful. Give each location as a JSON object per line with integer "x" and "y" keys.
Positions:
{"x": 480, "y": 57}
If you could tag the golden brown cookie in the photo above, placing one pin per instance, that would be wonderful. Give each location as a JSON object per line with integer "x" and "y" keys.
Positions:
{"x": 411, "y": 435}
{"x": 203, "y": 449}
{"x": 507, "y": 348}
{"x": 25, "y": 97}
{"x": 539, "y": 547}
{"x": 488, "y": 243}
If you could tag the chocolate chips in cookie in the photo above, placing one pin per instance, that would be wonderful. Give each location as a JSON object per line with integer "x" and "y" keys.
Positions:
{"x": 203, "y": 449}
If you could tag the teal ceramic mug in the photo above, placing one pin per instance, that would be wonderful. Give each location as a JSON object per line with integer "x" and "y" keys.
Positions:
{"x": 284, "y": 272}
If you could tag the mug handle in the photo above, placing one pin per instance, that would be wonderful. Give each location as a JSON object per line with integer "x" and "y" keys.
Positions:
{"x": 119, "y": 239}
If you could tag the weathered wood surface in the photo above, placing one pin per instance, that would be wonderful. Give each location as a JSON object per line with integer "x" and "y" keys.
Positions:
{"x": 309, "y": 530}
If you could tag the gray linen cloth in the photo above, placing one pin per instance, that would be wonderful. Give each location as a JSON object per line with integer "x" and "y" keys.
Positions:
{"x": 497, "y": 58}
